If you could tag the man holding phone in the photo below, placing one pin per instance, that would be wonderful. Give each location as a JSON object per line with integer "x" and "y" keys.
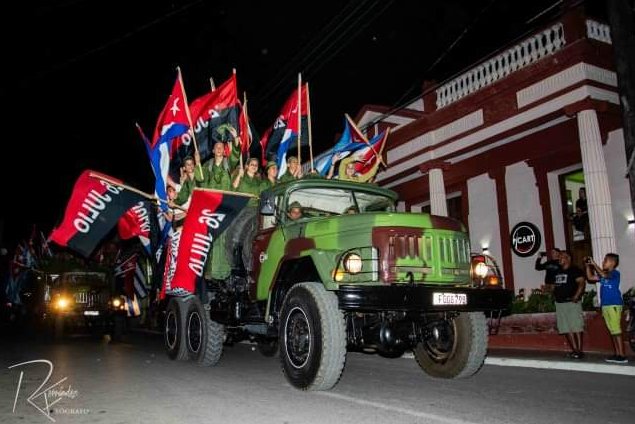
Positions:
{"x": 551, "y": 266}
{"x": 568, "y": 288}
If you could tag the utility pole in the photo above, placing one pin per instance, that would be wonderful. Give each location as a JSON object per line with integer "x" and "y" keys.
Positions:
{"x": 623, "y": 36}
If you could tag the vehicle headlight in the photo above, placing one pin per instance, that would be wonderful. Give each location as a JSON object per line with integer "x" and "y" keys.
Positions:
{"x": 116, "y": 302}
{"x": 481, "y": 270}
{"x": 353, "y": 263}
{"x": 62, "y": 303}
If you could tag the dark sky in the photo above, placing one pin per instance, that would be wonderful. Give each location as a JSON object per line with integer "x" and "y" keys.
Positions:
{"x": 79, "y": 73}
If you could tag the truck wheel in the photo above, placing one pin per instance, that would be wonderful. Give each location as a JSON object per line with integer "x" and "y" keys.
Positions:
{"x": 204, "y": 336}
{"x": 312, "y": 335}
{"x": 268, "y": 348}
{"x": 245, "y": 219}
{"x": 117, "y": 329}
{"x": 455, "y": 348}
{"x": 58, "y": 328}
{"x": 174, "y": 329}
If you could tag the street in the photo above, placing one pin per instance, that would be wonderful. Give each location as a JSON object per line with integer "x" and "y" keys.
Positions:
{"x": 134, "y": 382}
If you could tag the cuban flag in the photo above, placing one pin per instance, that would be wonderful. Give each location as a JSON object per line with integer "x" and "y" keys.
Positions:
{"x": 283, "y": 134}
{"x": 167, "y": 139}
{"x": 352, "y": 139}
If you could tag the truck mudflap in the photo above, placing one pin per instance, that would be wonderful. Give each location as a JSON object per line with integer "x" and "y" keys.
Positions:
{"x": 420, "y": 298}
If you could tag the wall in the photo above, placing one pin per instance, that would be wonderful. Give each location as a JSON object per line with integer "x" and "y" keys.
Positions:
{"x": 622, "y": 209}
{"x": 557, "y": 217}
{"x": 483, "y": 217}
{"x": 523, "y": 203}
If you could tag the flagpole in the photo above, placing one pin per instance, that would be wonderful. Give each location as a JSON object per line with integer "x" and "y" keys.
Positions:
{"x": 300, "y": 119}
{"x": 130, "y": 188}
{"x": 189, "y": 117}
{"x": 211, "y": 83}
{"x": 367, "y": 142}
{"x": 308, "y": 112}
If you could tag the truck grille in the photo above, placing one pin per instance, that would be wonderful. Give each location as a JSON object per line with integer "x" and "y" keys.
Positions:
{"x": 87, "y": 299}
{"x": 406, "y": 252}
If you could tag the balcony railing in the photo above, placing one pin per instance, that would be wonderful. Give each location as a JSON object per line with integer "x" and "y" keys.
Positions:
{"x": 598, "y": 31}
{"x": 517, "y": 57}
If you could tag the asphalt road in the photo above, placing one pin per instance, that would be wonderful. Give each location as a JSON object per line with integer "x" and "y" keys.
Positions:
{"x": 134, "y": 382}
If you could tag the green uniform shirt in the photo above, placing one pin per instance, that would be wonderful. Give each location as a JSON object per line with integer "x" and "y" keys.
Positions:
{"x": 250, "y": 185}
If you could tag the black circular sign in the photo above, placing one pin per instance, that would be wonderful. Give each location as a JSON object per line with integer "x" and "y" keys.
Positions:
{"x": 525, "y": 239}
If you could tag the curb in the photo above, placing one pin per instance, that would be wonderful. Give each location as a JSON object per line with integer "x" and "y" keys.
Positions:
{"x": 556, "y": 365}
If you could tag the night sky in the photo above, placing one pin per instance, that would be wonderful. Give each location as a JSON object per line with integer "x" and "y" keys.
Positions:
{"x": 79, "y": 73}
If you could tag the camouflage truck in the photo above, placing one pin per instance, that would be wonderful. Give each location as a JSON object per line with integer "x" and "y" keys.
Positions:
{"x": 349, "y": 274}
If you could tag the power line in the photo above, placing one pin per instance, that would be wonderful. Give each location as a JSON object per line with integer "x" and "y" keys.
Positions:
{"x": 75, "y": 59}
{"x": 293, "y": 65}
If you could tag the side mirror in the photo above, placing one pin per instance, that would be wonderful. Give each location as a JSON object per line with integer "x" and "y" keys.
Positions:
{"x": 267, "y": 204}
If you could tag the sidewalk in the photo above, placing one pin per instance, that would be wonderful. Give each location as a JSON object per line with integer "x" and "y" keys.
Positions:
{"x": 558, "y": 361}
{"x": 592, "y": 362}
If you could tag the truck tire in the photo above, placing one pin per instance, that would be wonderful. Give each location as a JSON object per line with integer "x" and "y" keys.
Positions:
{"x": 268, "y": 348}
{"x": 58, "y": 328}
{"x": 458, "y": 350}
{"x": 245, "y": 219}
{"x": 204, "y": 337}
{"x": 312, "y": 337}
{"x": 118, "y": 327}
{"x": 174, "y": 329}
{"x": 246, "y": 241}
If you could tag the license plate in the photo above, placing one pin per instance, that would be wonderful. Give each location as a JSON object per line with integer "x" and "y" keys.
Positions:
{"x": 449, "y": 298}
{"x": 91, "y": 313}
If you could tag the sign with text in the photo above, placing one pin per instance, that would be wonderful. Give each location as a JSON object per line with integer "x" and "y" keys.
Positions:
{"x": 525, "y": 239}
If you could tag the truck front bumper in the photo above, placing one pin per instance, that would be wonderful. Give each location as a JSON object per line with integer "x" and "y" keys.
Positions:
{"x": 419, "y": 298}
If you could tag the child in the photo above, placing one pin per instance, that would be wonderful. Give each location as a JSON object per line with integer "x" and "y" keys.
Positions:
{"x": 611, "y": 300}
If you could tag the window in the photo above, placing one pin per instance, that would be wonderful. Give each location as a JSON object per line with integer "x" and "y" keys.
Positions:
{"x": 322, "y": 202}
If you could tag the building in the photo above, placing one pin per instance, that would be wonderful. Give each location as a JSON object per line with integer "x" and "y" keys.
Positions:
{"x": 507, "y": 145}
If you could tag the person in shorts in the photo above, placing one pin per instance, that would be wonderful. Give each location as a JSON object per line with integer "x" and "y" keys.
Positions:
{"x": 611, "y": 300}
{"x": 568, "y": 288}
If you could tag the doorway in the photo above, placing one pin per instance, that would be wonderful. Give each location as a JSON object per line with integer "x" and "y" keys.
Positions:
{"x": 576, "y": 216}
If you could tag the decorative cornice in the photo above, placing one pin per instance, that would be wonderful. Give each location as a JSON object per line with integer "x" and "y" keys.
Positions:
{"x": 566, "y": 78}
{"x": 434, "y": 164}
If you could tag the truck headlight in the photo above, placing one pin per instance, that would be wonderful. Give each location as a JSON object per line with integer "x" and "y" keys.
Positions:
{"x": 353, "y": 263}
{"x": 62, "y": 303}
{"x": 116, "y": 302}
{"x": 481, "y": 270}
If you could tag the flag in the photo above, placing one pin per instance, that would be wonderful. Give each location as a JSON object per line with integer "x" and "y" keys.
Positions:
{"x": 367, "y": 158}
{"x": 46, "y": 249}
{"x": 132, "y": 306}
{"x": 95, "y": 206}
{"x": 141, "y": 221}
{"x": 283, "y": 134}
{"x": 213, "y": 114}
{"x": 171, "y": 142}
{"x": 209, "y": 214}
{"x": 159, "y": 156}
{"x": 171, "y": 252}
{"x": 351, "y": 140}
{"x": 130, "y": 277}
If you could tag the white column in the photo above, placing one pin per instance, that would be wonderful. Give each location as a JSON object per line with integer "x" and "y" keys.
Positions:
{"x": 597, "y": 185}
{"x": 438, "y": 200}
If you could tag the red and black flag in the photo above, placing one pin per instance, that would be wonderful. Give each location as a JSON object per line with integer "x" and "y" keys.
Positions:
{"x": 95, "y": 206}
{"x": 283, "y": 134}
{"x": 213, "y": 114}
{"x": 209, "y": 214}
{"x": 141, "y": 221}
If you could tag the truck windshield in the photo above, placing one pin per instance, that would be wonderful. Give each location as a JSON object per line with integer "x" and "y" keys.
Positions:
{"x": 329, "y": 202}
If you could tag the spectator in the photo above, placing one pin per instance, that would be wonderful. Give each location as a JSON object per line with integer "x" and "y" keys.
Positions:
{"x": 568, "y": 289}
{"x": 609, "y": 278}
{"x": 552, "y": 266}
{"x": 581, "y": 203}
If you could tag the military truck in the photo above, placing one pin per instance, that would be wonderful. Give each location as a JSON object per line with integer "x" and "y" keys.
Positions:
{"x": 350, "y": 273}
{"x": 84, "y": 299}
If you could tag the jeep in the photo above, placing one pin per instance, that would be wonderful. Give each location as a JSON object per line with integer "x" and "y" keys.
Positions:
{"x": 349, "y": 274}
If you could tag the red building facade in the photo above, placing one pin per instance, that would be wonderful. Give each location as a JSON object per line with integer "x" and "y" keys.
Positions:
{"x": 512, "y": 141}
